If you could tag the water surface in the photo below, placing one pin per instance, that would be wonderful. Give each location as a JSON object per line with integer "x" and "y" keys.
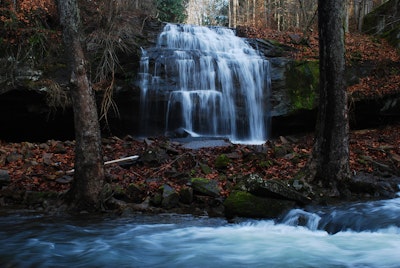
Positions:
{"x": 356, "y": 235}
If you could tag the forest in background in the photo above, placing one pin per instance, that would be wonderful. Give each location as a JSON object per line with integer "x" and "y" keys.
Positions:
{"x": 281, "y": 15}
{"x": 30, "y": 34}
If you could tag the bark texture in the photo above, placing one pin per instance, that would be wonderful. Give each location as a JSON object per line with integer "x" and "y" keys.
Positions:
{"x": 88, "y": 181}
{"x": 330, "y": 159}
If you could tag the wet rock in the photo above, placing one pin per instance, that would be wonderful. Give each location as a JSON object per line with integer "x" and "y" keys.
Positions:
{"x": 186, "y": 195}
{"x": 134, "y": 193}
{"x": 156, "y": 199}
{"x": 205, "y": 187}
{"x": 258, "y": 186}
{"x": 4, "y": 177}
{"x": 170, "y": 198}
{"x": 178, "y": 133}
{"x": 245, "y": 204}
{"x": 369, "y": 184}
{"x": 35, "y": 199}
{"x": 12, "y": 194}
{"x": 199, "y": 143}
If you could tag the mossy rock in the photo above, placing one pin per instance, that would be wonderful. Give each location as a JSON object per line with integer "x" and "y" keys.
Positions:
{"x": 257, "y": 185}
{"x": 245, "y": 204}
{"x": 205, "y": 186}
{"x": 205, "y": 168}
{"x": 302, "y": 81}
{"x": 222, "y": 161}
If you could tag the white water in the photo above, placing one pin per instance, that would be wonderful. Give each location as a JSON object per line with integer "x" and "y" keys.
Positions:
{"x": 220, "y": 84}
{"x": 186, "y": 241}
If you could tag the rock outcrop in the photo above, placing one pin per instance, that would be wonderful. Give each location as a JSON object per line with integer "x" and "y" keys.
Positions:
{"x": 253, "y": 196}
{"x": 385, "y": 21}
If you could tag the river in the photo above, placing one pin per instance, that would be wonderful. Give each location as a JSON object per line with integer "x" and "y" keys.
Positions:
{"x": 351, "y": 235}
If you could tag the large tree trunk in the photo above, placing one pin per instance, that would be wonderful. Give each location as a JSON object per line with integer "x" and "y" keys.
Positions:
{"x": 330, "y": 159}
{"x": 88, "y": 181}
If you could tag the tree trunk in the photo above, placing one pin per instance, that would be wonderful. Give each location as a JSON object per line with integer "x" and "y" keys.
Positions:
{"x": 330, "y": 159}
{"x": 85, "y": 193}
{"x": 234, "y": 11}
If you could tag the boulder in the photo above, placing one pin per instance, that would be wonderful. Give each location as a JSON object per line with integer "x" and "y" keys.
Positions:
{"x": 276, "y": 189}
{"x": 170, "y": 198}
{"x": 186, "y": 195}
{"x": 222, "y": 161}
{"x": 133, "y": 193}
{"x": 245, "y": 204}
{"x": 364, "y": 183}
{"x": 205, "y": 187}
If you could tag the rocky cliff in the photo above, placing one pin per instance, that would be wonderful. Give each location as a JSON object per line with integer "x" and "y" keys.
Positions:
{"x": 34, "y": 105}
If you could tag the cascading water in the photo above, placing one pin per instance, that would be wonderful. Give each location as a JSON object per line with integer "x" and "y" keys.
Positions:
{"x": 207, "y": 81}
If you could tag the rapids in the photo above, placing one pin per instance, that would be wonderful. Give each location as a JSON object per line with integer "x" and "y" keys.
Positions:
{"x": 352, "y": 235}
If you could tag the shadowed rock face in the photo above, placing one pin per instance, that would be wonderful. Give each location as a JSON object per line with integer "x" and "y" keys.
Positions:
{"x": 245, "y": 204}
{"x": 25, "y": 114}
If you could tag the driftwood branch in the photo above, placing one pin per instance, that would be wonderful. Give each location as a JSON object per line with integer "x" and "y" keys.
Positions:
{"x": 129, "y": 158}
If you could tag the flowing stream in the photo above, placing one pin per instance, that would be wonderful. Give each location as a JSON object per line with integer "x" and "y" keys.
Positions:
{"x": 206, "y": 81}
{"x": 352, "y": 235}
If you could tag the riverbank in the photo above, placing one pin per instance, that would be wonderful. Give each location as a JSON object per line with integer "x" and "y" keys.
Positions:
{"x": 168, "y": 176}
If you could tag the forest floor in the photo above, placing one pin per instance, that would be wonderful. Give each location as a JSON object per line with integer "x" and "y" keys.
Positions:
{"x": 43, "y": 166}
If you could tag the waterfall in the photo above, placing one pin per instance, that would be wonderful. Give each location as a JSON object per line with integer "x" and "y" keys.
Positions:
{"x": 207, "y": 81}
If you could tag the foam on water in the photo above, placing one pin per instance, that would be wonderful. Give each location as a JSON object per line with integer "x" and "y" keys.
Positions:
{"x": 186, "y": 241}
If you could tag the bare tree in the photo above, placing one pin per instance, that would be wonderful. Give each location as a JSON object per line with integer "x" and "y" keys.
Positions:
{"x": 85, "y": 193}
{"x": 233, "y": 12}
{"x": 330, "y": 158}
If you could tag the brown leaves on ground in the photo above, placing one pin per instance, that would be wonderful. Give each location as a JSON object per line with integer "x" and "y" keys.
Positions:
{"x": 39, "y": 166}
{"x": 360, "y": 48}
